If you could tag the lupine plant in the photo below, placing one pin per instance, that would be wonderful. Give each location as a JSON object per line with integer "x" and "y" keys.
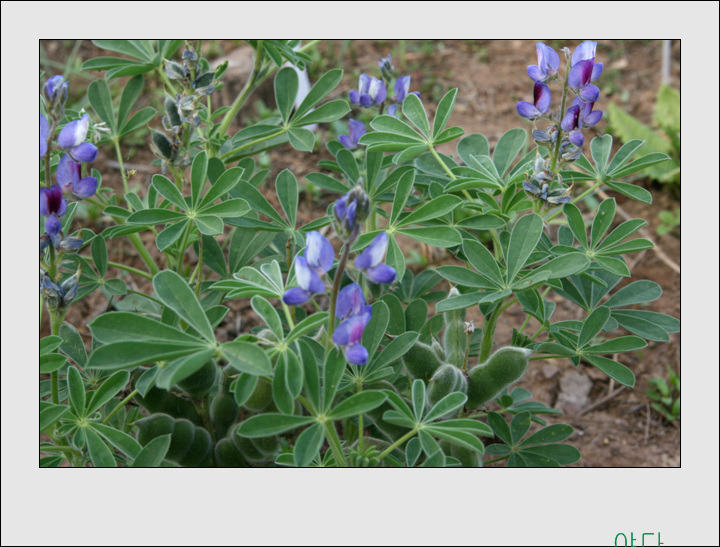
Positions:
{"x": 346, "y": 357}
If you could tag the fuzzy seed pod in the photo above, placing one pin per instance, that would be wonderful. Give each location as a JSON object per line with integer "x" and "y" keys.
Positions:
{"x": 421, "y": 361}
{"x": 261, "y": 397}
{"x": 454, "y": 337}
{"x": 223, "y": 413}
{"x": 199, "y": 450}
{"x": 182, "y": 439}
{"x": 154, "y": 426}
{"x": 199, "y": 383}
{"x": 226, "y": 455}
{"x": 447, "y": 379}
{"x": 506, "y": 366}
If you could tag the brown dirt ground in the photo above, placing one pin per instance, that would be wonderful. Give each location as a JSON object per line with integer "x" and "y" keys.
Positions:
{"x": 614, "y": 428}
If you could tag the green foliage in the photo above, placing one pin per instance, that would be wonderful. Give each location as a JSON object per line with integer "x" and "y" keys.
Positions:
{"x": 665, "y": 395}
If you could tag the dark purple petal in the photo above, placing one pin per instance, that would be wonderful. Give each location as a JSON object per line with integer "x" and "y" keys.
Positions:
{"x": 296, "y": 296}
{"x": 528, "y": 110}
{"x": 580, "y": 74}
{"x": 85, "y": 187}
{"x": 74, "y": 132}
{"x": 542, "y": 97}
{"x": 597, "y": 70}
{"x": 366, "y": 100}
{"x": 350, "y": 301}
{"x": 590, "y": 93}
{"x": 577, "y": 138}
{"x": 44, "y": 133}
{"x": 382, "y": 273}
{"x": 85, "y": 152}
{"x": 373, "y": 253}
{"x": 51, "y": 201}
{"x": 52, "y": 225}
{"x": 356, "y": 354}
{"x": 570, "y": 121}
{"x": 319, "y": 252}
{"x": 584, "y": 52}
{"x": 402, "y": 88}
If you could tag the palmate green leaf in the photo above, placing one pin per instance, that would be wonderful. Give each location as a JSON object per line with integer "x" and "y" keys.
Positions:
{"x": 151, "y": 217}
{"x": 359, "y": 403}
{"x": 631, "y": 246}
{"x": 230, "y": 208}
{"x": 307, "y": 325}
{"x": 268, "y": 314}
{"x": 117, "y": 67}
{"x": 550, "y": 434}
{"x": 593, "y": 324}
{"x": 602, "y": 221}
{"x": 434, "y": 209}
{"x": 137, "y": 49}
{"x": 51, "y": 414}
{"x": 286, "y": 187}
{"x": 325, "y": 113}
{"x": 311, "y": 377}
{"x": 640, "y": 164}
{"x": 76, "y": 391}
{"x": 153, "y": 452}
{"x": 408, "y": 153}
{"x": 468, "y": 425}
{"x": 122, "y": 441}
{"x": 281, "y": 394}
{"x": 576, "y": 223}
{"x": 559, "y": 267}
{"x": 176, "y": 294}
{"x": 523, "y": 240}
{"x": 613, "y": 265}
{"x": 519, "y": 426}
{"x": 618, "y": 345}
{"x": 600, "y": 148}
{"x": 101, "y": 102}
{"x": 49, "y": 344}
{"x": 198, "y": 175}
{"x": 332, "y": 374}
{"x": 375, "y": 329}
{"x": 442, "y": 114}
{"x": 258, "y": 202}
{"x": 52, "y": 362}
{"x": 508, "y": 147}
{"x": 140, "y": 119}
{"x": 394, "y": 257}
{"x": 473, "y": 145}
{"x": 108, "y": 390}
{"x": 184, "y": 367}
{"x": 320, "y": 90}
{"x": 130, "y": 94}
{"x": 132, "y": 327}
{"x": 98, "y": 250}
{"x": 404, "y": 187}
{"x": 633, "y": 321}
{"x": 500, "y": 427}
{"x": 483, "y": 261}
{"x": 301, "y": 139}
{"x": 391, "y": 124}
{"x": 456, "y": 437}
{"x": 247, "y": 357}
{"x": 630, "y": 190}
{"x": 100, "y": 454}
{"x": 394, "y": 350}
{"x": 129, "y": 354}
{"x": 328, "y": 183}
{"x": 618, "y": 372}
{"x": 308, "y": 445}
{"x": 169, "y": 191}
{"x": 563, "y": 454}
{"x": 267, "y": 425}
{"x": 209, "y": 225}
{"x": 286, "y": 88}
{"x": 624, "y": 155}
{"x": 438, "y": 236}
{"x": 445, "y": 406}
{"x": 413, "y": 110}
{"x": 461, "y": 275}
{"x": 637, "y": 292}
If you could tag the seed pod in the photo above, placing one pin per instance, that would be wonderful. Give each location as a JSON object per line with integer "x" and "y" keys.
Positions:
{"x": 421, "y": 361}
{"x": 248, "y": 450}
{"x": 181, "y": 440}
{"x": 223, "y": 413}
{"x": 154, "y": 426}
{"x": 226, "y": 455}
{"x": 506, "y": 366}
{"x": 261, "y": 397}
{"x": 199, "y": 383}
{"x": 267, "y": 446}
{"x": 447, "y": 379}
{"x": 454, "y": 337}
{"x": 467, "y": 457}
{"x": 158, "y": 400}
{"x": 199, "y": 449}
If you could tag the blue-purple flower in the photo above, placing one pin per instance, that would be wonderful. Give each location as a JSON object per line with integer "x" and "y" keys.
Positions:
{"x": 72, "y": 139}
{"x": 370, "y": 261}
{"x": 349, "y": 210}
{"x": 540, "y": 104}
{"x": 52, "y": 206}
{"x": 371, "y": 91}
{"x": 350, "y": 301}
{"x": 584, "y": 70}
{"x": 588, "y": 116}
{"x": 548, "y": 63}
{"x": 571, "y": 124}
{"x": 357, "y": 130}
{"x": 318, "y": 260}
{"x": 44, "y": 134}
{"x": 68, "y": 177}
{"x": 56, "y": 90}
{"x": 349, "y": 333}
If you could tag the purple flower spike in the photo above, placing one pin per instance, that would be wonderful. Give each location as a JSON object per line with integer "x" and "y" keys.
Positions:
{"x": 68, "y": 177}
{"x": 577, "y": 138}
{"x": 571, "y": 119}
{"x": 44, "y": 133}
{"x": 308, "y": 278}
{"x": 541, "y": 99}
{"x": 590, "y": 93}
{"x": 370, "y": 91}
{"x": 348, "y": 335}
{"x": 370, "y": 260}
{"x": 357, "y": 130}
{"x": 296, "y": 296}
{"x": 402, "y": 88}
{"x": 52, "y": 206}
{"x": 85, "y": 152}
{"x": 548, "y": 63}
{"x": 319, "y": 253}
{"x": 585, "y": 51}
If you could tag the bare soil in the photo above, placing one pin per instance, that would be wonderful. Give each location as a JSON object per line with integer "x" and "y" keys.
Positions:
{"x": 614, "y": 427}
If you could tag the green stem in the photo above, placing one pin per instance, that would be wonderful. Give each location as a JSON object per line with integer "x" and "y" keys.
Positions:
{"x": 144, "y": 253}
{"x": 397, "y": 443}
{"x": 360, "y": 424}
{"x": 121, "y": 404}
{"x": 334, "y": 441}
{"x": 183, "y": 247}
{"x": 333, "y": 296}
{"x": 130, "y": 269}
{"x": 122, "y": 167}
{"x": 199, "y": 266}
{"x": 56, "y": 318}
{"x": 561, "y": 115}
{"x": 488, "y": 332}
